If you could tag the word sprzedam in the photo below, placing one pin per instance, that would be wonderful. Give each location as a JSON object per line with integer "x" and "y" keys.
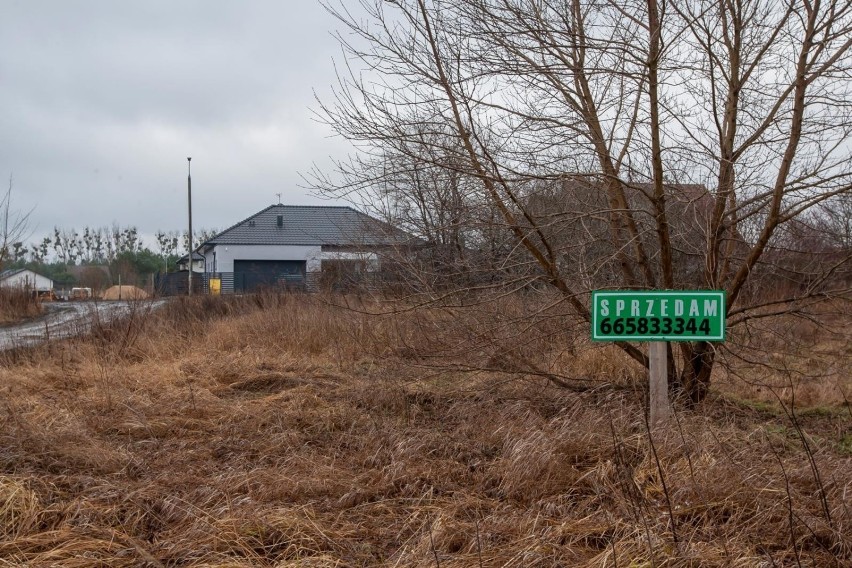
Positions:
{"x": 677, "y": 315}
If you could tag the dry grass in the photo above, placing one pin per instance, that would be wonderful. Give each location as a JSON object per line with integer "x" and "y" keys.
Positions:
{"x": 282, "y": 431}
{"x": 16, "y": 305}
{"x": 794, "y": 362}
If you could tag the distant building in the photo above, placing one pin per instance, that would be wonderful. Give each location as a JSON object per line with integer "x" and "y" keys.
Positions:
{"x": 293, "y": 246}
{"x": 197, "y": 263}
{"x": 26, "y": 279}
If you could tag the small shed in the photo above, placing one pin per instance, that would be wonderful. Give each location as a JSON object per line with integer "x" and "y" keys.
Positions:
{"x": 25, "y": 279}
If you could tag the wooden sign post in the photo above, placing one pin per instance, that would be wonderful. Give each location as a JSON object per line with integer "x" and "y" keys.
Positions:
{"x": 659, "y": 408}
{"x": 658, "y": 317}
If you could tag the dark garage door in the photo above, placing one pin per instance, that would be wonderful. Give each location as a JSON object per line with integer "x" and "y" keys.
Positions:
{"x": 251, "y": 275}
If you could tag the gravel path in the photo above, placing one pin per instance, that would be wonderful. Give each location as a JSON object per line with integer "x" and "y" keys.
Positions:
{"x": 67, "y": 319}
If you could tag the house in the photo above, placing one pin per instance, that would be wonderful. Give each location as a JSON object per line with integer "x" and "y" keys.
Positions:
{"x": 293, "y": 246}
{"x": 198, "y": 264}
{"x": 26, "y": 279}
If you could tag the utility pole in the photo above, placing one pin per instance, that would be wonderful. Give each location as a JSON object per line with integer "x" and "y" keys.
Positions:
{"x": 189, "y": 200}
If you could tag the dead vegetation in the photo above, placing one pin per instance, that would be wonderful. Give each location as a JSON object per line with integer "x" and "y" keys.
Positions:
{"x": 284, "y": 431}
{"x": 17, "y": 305}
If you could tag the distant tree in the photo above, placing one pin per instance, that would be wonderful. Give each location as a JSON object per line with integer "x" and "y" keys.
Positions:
{"x": 123, "y": 239}
{"x": 92, "y": 245}
{"x": 13, "y": 227}
{"x": 167, "y": 242}
{"x": 19, "y": 251}
{"x": 119, "y": 247}
{"x": 94, "y": 277}
{"x": 167, "y": 245}
{"x": 103, "y": 244}
{"x": 199, "y": 236}
{"x": 67, "y": 244}
{"x": 135, "y": 266}
{"x": 128, "y": 240}
{"x": 99, "y": 244}
{"x": 146, "y": 262}
{"x": 38, "y": 253}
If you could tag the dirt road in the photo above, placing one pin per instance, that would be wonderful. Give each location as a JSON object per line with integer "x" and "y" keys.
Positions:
{"x": 67, "y": 319}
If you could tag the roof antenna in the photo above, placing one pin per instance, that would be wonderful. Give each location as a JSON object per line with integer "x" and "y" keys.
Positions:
{"x": 279, "y": 198}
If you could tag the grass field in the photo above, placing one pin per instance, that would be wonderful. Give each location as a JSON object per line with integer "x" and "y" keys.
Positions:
{"x": 17, "y": 305}
{"x": 286, "y": 431}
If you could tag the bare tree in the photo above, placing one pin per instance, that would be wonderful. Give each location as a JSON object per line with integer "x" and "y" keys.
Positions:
{"x": 92, "y": 244}
{"x": 125, "y": 239}
{"x": 13, "y": 230}
{"x": 167, "y": 242}
{"x": 38, "y": 253}
{"x": 199, "y": 236}
{"x": 68, "y": 245}
{"x": 419, "y": 185}
{"x": 642, "y": 102}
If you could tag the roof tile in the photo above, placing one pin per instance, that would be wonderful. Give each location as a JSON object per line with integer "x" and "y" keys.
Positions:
{"x": 310, "y": 225}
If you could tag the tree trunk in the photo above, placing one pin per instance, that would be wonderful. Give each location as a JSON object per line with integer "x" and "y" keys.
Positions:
{"x": 694, "y": 383}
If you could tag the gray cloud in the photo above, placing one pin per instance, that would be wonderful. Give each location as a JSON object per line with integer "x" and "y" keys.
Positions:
{"x": 102, "y": 101}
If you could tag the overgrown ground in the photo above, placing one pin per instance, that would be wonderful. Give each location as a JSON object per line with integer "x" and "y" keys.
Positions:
{"x": 17, "y": 305}
{"x": 282, "y": 431}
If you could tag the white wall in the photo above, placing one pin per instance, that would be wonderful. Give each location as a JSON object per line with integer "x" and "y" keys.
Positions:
{"x": 225, "y": 255}
{"x": 197, "y": 266}
{"x": 29, "y": 279}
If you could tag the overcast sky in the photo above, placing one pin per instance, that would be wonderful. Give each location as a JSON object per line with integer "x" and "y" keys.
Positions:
{"x": 102, "y": 101}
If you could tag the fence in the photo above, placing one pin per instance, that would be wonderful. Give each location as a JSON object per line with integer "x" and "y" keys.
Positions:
{"x": 177, "y": 283}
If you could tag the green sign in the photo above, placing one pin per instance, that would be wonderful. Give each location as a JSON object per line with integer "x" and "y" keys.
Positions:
{"x": 675, "y": 315}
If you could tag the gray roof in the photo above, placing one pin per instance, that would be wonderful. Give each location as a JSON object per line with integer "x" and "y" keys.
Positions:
{"x": 311, "y": 225}
{"x": 195, "y": 257}
{"x": 12, "y": 271}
